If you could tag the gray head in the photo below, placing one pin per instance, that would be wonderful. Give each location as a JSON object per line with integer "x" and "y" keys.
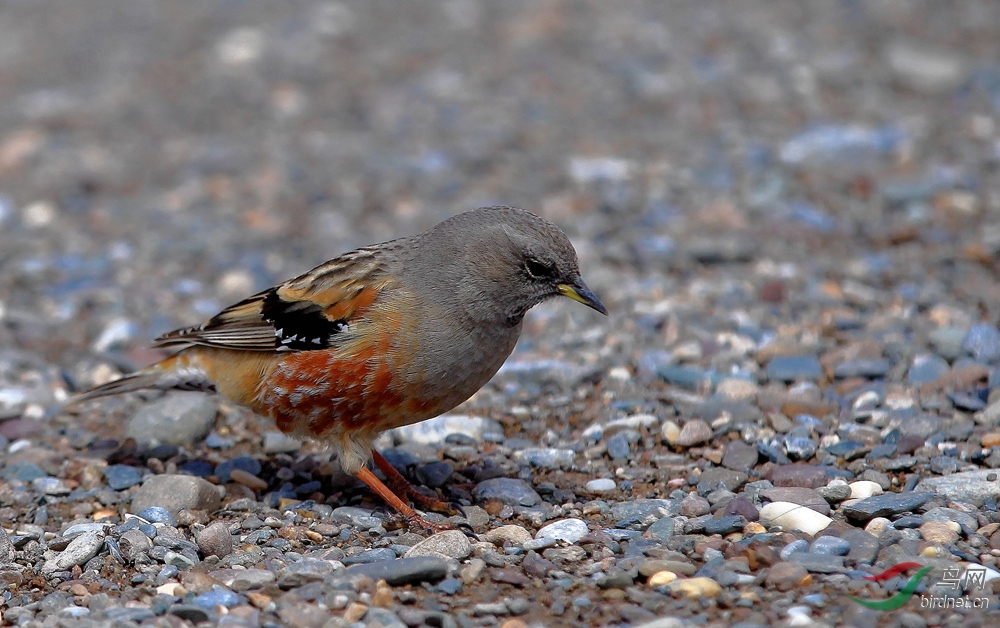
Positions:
{"x": 501, "y": 261}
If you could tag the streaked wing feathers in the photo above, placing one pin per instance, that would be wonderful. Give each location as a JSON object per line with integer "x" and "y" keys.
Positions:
{"x": 305, "y": 313}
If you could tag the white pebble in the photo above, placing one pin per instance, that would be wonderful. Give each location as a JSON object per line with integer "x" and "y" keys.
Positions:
{"x": 794, "y": 517}
{"x": 602, "y": 485}
{"x": 865, "y": 488}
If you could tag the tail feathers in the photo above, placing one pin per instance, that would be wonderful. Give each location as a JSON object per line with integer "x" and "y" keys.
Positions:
{"x": 140, "y": 380}
{"x": 177, "y": 372}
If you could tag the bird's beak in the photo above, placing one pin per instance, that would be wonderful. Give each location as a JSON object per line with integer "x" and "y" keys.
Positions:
{"x": 578, "y": 291}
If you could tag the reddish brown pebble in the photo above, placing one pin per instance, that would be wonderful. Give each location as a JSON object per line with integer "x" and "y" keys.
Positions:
{"x": 248, "y": 479}
{"x": 788, "y": 576}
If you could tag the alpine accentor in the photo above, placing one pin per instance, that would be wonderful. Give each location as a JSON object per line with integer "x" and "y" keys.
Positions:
{"x": 380, "y": 337}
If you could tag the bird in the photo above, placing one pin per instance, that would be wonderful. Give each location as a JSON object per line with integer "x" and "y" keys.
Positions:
{"x": 380, "y": 337}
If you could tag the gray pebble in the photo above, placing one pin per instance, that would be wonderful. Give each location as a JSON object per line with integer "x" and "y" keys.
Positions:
{"x": 885, "y": 505}
{"x": 404, "y": 570}
{"x": 215, "y": 540}
{"x": 179, "y": 418}
{"x": 175, "y": 493}
{"x": 511, "y": 491}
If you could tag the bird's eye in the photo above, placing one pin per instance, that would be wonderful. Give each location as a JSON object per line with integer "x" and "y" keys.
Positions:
{"x": 538, "y": 269}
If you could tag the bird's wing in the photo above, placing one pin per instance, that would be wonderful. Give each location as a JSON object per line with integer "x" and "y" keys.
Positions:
{"x": 307, "y": 313}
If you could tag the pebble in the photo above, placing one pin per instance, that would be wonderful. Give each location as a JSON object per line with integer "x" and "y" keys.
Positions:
{"x": 694, "y": 433}
{"x": 939, "y": 532}
{"x": 695, "y": 588}
{"x": 794, "y": 517}
{"x": 79, "y": 551}
{"x": 788, "y": 576}
{"x": 974, "y": 487}
{"x": 215, "y": 540}
{"x": 794, "y": 368}
{"x": 600, "y": 485}
{"x": 567, "y": 530}
{"x": 885, "y": 505}
{"x": 404, "y": 570}
{"x": 120, "y": 476}
{"x": 545, "y": 458}
{"x": 511, "y": 491}
{"x": 864, "y": 488}
{"x": 507, "y": 533}
{"x": 6, "y": 548}
{"x": 179, "y": 418}
{"x": 435, "y": 431}
{"x": 450, "y": 544}
{"x": 175, "y": 493}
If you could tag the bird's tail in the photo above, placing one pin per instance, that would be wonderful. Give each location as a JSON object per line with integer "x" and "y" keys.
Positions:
{"x": 177, "y": 371}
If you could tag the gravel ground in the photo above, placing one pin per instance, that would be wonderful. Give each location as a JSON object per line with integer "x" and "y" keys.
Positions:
{"x": 790, "y": 209}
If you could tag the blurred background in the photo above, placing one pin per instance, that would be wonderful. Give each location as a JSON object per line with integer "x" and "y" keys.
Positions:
{"x": 160, "y": 160}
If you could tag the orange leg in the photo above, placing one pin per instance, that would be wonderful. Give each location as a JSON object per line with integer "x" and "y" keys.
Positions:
{"x": 400, "y": 485}
{"x": 383, "y": 491}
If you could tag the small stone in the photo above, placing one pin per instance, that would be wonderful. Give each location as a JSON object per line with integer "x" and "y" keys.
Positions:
{"x": 740, "y": 456}
{"x": 662, "y": 529}
{"x": 834, "y": 492}
{"x": 450, "y": 543}
{"x": 939, "y": 532}
{"x": 567, "y": 530}
{"x": 79, "y": 551}
{"x": 670, "y": 432}
{"x": 643, "y": 511}
{"x": 121, "y": 476}
{"x": 6, "y": 548}
{"x": 788, "y": 576}
{"x": 927, "y": 368}
{"x": 619, "y": 447}
{"x": 134, "y": 544}
{"x": 175, "y": 493}
{"x": 215, "y": 540}
{"x": 877, "y": 526}
{"x": 694, "y": 433}
{"x": 885, "y": 505}
{"x": 865, "y": 488}
{"x": 975, "y": 487}
{"x": 404, "y": 570}
{"x": 244, "y": 463}
{"x": 694, "y": 505}
{"x": 661, "y": 578}
{"x": 435, "y": 474}
{"x": 354, "y": 612}
{"x": 819, "y": 563}
{"x": 794, "y": 517}
{"x": 808, "y": 497}
{"x": 870, "y": 368}
{"x": 508, "y": 533}
{"x": 737, "y": 389}
{"x": 794, "y": 368}
{"x": 696, "y": 588}
{"x": 306, "y": 570}
{"x": 179, "y": 418}
{"x": 511, "y": 491}
{"x": 830, "y": 545}
{"x": 983, "y": 342}
{"x": 805, "y": 475}
{"x": 545, "y": 457}
{"x": 435, "y": 431}
{"x": 601, "y": 485}
{"x": 249, "y": 480}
